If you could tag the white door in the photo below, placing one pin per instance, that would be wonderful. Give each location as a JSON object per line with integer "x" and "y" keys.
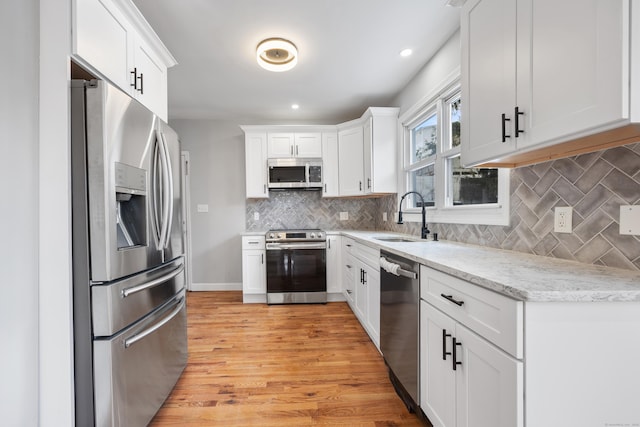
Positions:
{"x": 488, "y": 39}
{"x": 350, "y": 168}
{"x": 254, "y": 272}
{"x": 280, "y": 145}
{"x": 255, "y": 146}
{"x": 334, "y": 270}
{"x": 572, "y": 72}
{"x": 330, "y": 164}
{"x": 308, "y": 144}
{"x": 489, "y": 384}
{"x": 437, "y": 377}
{"x": 186, "y": 218}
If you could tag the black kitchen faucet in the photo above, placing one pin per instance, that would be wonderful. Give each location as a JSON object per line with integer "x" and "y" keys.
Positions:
{"x": 424, "y": 230}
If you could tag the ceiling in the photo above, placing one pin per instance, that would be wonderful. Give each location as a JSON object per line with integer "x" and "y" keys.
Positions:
{"x": 348, "y": 55}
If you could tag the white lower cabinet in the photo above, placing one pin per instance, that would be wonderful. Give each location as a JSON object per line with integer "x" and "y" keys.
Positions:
{"x": 466, "y": 380}
{"x": 334, "y": 268}
{"x": 361, "y": 284}
{"x": 254, "y": 269}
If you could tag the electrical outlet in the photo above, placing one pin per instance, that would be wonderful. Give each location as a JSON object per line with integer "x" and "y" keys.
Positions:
{"x": 344, "y": 216}
{"x": 256, "y": 216}
{"x": 384, "y": 216}
{"x": 630, "y": 220}
{"x": 563, "y": 219}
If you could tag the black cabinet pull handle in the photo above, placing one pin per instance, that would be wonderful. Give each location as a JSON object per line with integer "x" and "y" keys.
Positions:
{"x": 141, "y": 90}
{"x": 369, "y": 183}
{"x": 504, "y": 127}
{"x": 453, "y": 359}
{"x": 445, "y": 353}
{"x": 360, "y": 183}
{"x": 450, "y": 298}
{"x": 364, "y": 277}
{"x": 517, "y": 114}
{"x": 135, "y": 79}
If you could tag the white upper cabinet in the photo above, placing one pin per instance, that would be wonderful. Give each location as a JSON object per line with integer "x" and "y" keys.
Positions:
{"x": 538, "y": 73}
{"x": 330, "y": 164}
{"x": 380, "y": 131}
{"x": 255, "y": 147}
{"x": 290, "y": 144}
{"x": 113, "y": 40}
{"x": 351, "y": 164}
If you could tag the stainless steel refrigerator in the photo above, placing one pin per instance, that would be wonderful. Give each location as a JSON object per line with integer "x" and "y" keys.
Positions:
{"x": 130, "y": 339}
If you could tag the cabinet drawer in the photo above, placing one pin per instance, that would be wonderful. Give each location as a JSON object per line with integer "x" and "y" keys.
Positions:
{"x": 253, "y": 242}
{"x": 347, "y": 245}
{"x": 369, "y": 256}
{"x": 495, "y": 317}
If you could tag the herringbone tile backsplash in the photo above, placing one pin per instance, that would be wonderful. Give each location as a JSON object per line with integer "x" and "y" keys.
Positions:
{"x": 594, "y": 184}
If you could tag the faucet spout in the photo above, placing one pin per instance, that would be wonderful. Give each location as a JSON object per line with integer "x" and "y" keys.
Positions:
{"x": 424, "y": 230}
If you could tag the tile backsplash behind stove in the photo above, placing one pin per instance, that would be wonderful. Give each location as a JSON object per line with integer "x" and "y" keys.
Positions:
{"x": 307, "y": 209}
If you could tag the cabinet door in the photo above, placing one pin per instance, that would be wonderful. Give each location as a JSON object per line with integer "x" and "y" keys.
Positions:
{"x": 308, "y": 144}
{"x": 489, "y": 384}
{"x": 280, "y": 145}
{"x": 255, "y": 145}
{"x": 350, "y": 168}
{"x": 330, "y": 164}
{"x": 372, "y": 283}
{"x": 488, "y": 39}
{"x": 367, "y": 148}
{"x": 102, "y": 39}
{"x": 361, "y": 292}
{"x": 572, "y": 73}
{"x": 334, "y": 268}
{"x": 437, "y": 377}
{"x": 254, "y": 272}
{"x": 151, "y": 79}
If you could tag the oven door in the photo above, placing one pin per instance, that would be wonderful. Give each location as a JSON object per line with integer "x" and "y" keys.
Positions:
{"x": 295, "y": 274}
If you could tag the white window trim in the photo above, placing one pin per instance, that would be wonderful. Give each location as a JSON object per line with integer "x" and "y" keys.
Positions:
{"x": 498, "y": 214}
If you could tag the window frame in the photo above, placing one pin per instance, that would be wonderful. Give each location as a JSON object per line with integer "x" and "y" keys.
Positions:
{"x": 443, "y": 210}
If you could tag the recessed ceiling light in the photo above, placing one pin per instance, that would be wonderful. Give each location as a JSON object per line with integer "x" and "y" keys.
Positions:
{"x": 277, "y": 54}
{"x": 295, "y": 106}
{"x": 406, "y": 52}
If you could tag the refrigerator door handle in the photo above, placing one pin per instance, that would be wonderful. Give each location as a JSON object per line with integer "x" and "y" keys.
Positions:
{"x": 157, "y": 193}
{"x": 135, "y": 289}
{"x": 164, "y": 224}
{"x": 140, "y": 336}
{"x": 168, "y": 190}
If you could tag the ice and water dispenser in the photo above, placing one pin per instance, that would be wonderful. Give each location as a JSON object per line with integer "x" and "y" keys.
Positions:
{"x": 131, "y": 206}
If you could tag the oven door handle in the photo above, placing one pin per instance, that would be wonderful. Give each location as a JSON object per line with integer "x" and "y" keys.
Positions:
{"x": 280, "y": 246}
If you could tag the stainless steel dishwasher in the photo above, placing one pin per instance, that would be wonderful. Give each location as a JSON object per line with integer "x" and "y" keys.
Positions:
{"x": 399, "y": 324}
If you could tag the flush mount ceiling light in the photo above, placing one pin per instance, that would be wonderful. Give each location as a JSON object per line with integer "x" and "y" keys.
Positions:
{"x": 277, "y": 54}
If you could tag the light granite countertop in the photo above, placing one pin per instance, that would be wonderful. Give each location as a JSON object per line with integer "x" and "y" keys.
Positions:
{"x": 518, "y": 275}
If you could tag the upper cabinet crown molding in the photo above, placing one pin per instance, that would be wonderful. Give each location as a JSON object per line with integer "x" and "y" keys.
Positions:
{"x": 534, "y": 101}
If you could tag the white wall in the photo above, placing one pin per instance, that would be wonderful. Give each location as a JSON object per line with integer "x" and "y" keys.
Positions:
{"x": 441, "y": 66}
{"x": 217, "y": 173}
{"x": 19, "y": 212}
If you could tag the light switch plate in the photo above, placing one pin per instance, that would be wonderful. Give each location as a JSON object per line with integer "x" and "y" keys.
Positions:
{"x": 203, "y": 208}
{"x": 630, "y": 220}
{"x": 344, "y": 216}
{"x": 256, "y": 216}
{"x": 384, "y": 216}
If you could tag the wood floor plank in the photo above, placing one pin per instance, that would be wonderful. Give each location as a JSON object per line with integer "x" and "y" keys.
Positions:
{"x": 283, "y": 365}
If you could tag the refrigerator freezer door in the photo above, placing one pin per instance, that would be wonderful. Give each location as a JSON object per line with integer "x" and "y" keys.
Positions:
{"x": 136, "y": 370}
{"x": 119, "y": 304}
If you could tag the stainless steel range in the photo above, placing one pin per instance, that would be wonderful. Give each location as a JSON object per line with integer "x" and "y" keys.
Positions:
{"x": 296, "y": 266}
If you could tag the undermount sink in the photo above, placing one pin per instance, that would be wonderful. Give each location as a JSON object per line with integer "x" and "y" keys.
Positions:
{"x": 395, "y": 239}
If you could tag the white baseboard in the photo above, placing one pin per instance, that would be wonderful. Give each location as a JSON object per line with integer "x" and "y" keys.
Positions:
{"x": 216, "y": 286}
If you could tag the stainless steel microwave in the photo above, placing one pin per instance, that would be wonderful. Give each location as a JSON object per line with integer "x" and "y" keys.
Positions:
{"x": 295, "y": 173}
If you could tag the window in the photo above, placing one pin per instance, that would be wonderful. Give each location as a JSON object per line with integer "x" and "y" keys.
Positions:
{"x": 433, "y": 168}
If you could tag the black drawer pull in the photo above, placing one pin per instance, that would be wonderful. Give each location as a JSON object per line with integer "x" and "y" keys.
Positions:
{"x": 445, "y": 353}
{"x": 450, "y": 298}
{"x": 517, "y": 114}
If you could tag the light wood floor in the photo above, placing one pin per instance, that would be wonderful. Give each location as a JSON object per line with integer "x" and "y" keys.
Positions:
{"x": 288, "y": 365}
